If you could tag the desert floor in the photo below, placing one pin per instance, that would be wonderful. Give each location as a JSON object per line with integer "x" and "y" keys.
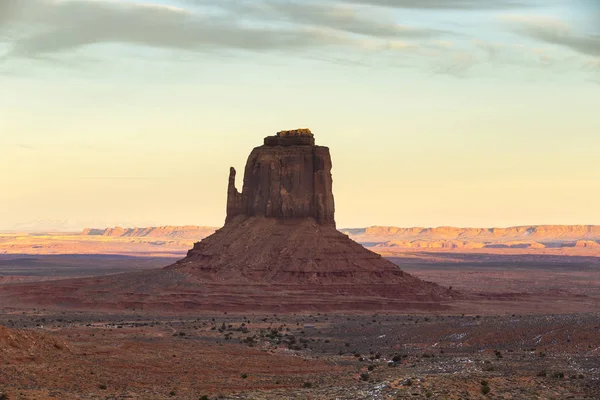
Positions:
{"x": 541, "y": 342}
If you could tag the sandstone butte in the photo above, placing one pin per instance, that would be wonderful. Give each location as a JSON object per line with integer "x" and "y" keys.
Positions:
{"x": 279, "y": 250}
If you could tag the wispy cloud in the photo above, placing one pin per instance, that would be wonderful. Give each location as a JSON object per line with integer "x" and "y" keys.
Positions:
{"x": 360, "y": 20}
{"x": 45, "y": 27}
{"x": 451, "y": 4}
{"x": 346, "y": 32}
{"x": 556, "y": 32}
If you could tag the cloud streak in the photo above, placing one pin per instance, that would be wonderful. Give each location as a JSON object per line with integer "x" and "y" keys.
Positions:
{"x": 348, "y": 32}
{"x": 73, "y": 24}
{"x": 69, "y": 25}
{"x": 450, "y": 4}
{"x": 555, "y": 32}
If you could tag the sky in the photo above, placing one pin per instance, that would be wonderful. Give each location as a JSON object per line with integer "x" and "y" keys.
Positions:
{"x": 472, "y": 113}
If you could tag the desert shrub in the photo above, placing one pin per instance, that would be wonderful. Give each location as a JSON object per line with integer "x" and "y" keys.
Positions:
{"x": 364, "y": 377}
{"x": 408, "y": 382}
{"x": 558, "y": 375}
{"x": 102, "y": 386}
{"x": 485, "y": 389}
{"x": 3, "y": 396}
{"x": 371, "y": 367}
{"x": 172, "y": 393}
{"x": 484, "y": 383}
{"x": 244, "y": 376}
{"x": 397, "y": 358}
{"x": 307, "y": 385}
{"x": 205, "y": 397}
{"x": 542, "y": 373}
{"x": 428, "y": 394}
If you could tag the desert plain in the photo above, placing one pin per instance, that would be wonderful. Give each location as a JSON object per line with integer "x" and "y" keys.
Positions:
{"x": 528, "y": 327}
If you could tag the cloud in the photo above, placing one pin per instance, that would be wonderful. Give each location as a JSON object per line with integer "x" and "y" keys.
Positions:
{"x": 451, "y": 4}
{"x": 362, "y": 21}
{"x": 68, "y": 25}
{"x": 42, "y": 27}
{"x": 345, "y": 32}
{"x": 556, "y": 32}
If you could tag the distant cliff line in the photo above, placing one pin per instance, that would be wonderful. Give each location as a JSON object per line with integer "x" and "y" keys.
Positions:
{"x": 572, "y": 231}
{"x": 384, "y": 234}
{"x": 175, "y": 232}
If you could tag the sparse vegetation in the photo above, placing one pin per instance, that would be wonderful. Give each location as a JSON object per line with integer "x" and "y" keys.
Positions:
{"x": 558, "y": 375}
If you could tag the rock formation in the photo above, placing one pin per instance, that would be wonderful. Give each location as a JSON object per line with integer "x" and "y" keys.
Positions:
{"x": 288, "y": 178}
{"x": 281, "y": 228}
{"x": 279, "y": 251}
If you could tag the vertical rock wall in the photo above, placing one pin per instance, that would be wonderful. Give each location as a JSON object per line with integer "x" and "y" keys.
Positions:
{"x": 288, "y": 177}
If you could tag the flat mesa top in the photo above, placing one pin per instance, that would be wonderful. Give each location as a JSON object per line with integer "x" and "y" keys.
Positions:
{"x": 296, "y": 137}
{"x": 295, "y": 132}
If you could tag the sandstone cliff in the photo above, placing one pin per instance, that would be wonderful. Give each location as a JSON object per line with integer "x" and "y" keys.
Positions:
{"x": 289, "y": 177}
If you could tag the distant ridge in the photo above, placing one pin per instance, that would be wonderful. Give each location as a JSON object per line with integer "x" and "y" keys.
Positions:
{"x": 544, "y": 235}
{"x": 445, "y": 237}
{"x": 446, "y": 231}
{"x": 172, "y": 232}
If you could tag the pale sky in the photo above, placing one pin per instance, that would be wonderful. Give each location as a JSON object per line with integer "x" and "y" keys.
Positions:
{"x": 437, "y": 112}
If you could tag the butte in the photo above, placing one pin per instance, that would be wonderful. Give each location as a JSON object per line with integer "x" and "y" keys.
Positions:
{"x": 279, "y": 250}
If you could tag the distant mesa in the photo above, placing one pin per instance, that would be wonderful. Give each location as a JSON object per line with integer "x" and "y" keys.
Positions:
{"x": 173, "y": 232}
{"x": 385, "y": 239}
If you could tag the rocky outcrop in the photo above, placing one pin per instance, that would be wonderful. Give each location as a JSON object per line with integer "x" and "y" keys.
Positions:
{"x": 289, "y": 177}
{"x": 587, "y": 244}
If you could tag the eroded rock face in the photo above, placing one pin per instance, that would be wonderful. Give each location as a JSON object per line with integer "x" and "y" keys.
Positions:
{"x": 288, "y": 177}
